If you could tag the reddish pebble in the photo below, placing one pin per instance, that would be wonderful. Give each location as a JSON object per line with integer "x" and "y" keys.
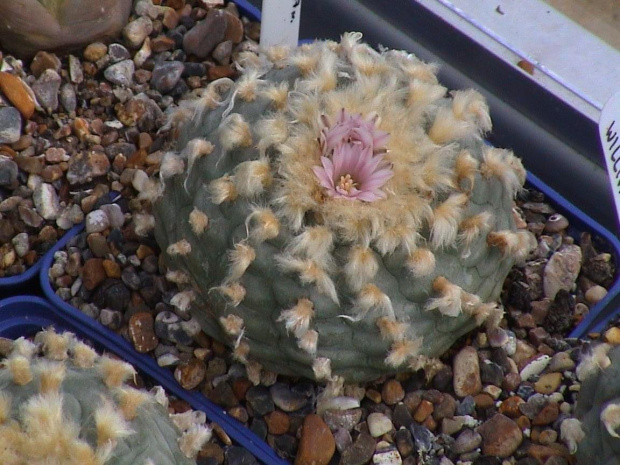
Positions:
{"x": 316, "y": 445}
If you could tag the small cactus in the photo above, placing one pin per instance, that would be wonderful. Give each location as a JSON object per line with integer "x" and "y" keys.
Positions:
{"x": 596, "y": 434}
{"x": 336, "y": 212}
{"x": 62, "y": 403}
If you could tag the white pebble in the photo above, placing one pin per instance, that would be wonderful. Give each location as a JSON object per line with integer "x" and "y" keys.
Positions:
{"x": 97, "y": 221}
{"x": 535, "y": 367}
{"x": 379, "y": 424}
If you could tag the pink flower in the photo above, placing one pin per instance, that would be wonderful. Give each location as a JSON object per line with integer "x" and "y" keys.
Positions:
{"x": 352, "y": 161}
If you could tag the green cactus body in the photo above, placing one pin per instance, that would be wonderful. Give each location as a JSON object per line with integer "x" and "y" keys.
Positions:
{"x": 595, "y": 436}
{"x": 71, "y": 406}
{"x": 301, "y": 279}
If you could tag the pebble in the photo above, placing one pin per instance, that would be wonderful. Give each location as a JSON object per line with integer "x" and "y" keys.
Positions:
{"x": 17, "y": 92}
{"x": 10, "y": 125}
{"x": 286, "y": 399}
{"x": 46, "y": 89}
{"x": 548, "y": 383}
{"x": 342, "y": 419}
{"x": 595, "y": 294}
{"x": 316, "y": 444}
{"x": 534, "y": 367}
{"x": 386, "y": 454}
{"x": 392, "y": 392}
{"x": 166, "y": 75}
{"x": 136, "y": 31}
{"x": 43, "y": 61}
{"x": 92, "y": 273}
{"x": 190, "y": 374}
{"x": 562, "y": 270}
{"x": 97, "y": 221}
{"x": 360, "y": 452}
{"x": 467, "y": 441}
{"x": 379, "y": 424}
{"x": 141, "y": 332}
{"x": 500, "y": 436}
{"x": 206, "y": 34}
{"x": 466, "y": 370}
{"x": 8, "y": 169}
{"x": 120, "y": 73}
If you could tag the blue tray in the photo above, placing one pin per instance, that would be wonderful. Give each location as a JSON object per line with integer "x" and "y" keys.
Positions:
{"x": 25, "y": 315}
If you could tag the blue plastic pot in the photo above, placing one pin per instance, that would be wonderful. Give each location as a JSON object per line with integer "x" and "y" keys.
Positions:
{"x": 25, "y": 315}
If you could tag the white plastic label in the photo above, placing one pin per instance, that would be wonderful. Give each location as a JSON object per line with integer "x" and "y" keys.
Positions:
{"x": 280, "y": 23}
{"x": 609, "y": 131}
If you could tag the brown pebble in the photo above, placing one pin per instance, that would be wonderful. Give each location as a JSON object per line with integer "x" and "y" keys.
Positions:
{"x": 316, "y": 444}
{"x": 212, "y": 450}
{"x": 423, "y": 411}
{"x": 112, "y": 269}
{"x": 392, "y": 392}
{"x": 278, "y": 422}
{"x": 239, "y": 413}
{"x": 548, "y": 383}
{"x": 542, "y": 453}
{"x": 142, "y": 332}
{"x": 510, "y": 407}
{"x": 500, "y": 436}
{"x": 548, "y": 414}
{"x": 466, "y": 369}
{"x": 373, "y": 395}
{"x": 16, "y": 92}
{"x": 484, "y": 400}
{"x": 240, "y": 386}
{"x": 190, "y": 374}
{"x": 93, "y": 273}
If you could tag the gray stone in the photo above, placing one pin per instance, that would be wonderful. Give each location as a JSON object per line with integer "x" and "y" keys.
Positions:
{"x": 30, "y": 216}
{"x": 562, "y": 270}
{"x": 136, "y": 31}
{"x": 166, "y": 75}
{"x": 46, "y": 201}
{"x": 120, "y": 73}
{"x": 10, "y": 125}
{"x": 117, "y": 53}
{"x": 46, "y": 89}
{"x": 111, "y": 318}
{"x": 360, "y": 452}
{"x": 467, "y": 441}
{"x": 115, "y": 215}
{"x": 286, "y": 399}
{"x": 76, "y": 74}
{"x": 67, "y": 97}
{"x": 205, "y": 35}
{"x": 97, "y": 221}
{"x": 8, "y": 172}
{"x": 21, "y": 244}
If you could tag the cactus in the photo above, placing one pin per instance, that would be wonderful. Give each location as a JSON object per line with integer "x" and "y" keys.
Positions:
{"x": 335, "y": 212}
{"x": 598, "y": 408}
{"x": 71, "y": 406}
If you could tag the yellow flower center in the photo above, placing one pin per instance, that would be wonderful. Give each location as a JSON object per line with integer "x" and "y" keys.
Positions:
{"x": 346, "y": 183}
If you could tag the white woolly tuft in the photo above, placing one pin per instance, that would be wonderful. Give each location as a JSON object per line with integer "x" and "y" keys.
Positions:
{"x": 24, "y": 347}
{"x": 421, "y": 262}
{"x": 297, "y": 319}
{"x": 130, "y": 400}
{"x": 392, "y": 330}
{"x": 55, "y": 346}
{"x": 422, "y": 94}
{"x": 151, "y": 190}
{"x": 143, "y": 223}
{"x": 248, "y": 84}
{"x": 5, "y": 407}
{"x": 83, "y": 356}
{"x": 360, "y": 268}
{"x": 20, "y": 369}
{"x": 271, "y": 131}
{"x": 309, "y": 273}
{"x": 192, "y": 441}
{"x": 51, "y": 376}
{"x": 234, "y": 292}
{"x": 610, "y": 416}
{"x": 171, "y": 165}
{"x": 502, "y": 164}
{"x": 182, "y": 247}
{"x": 265, "y": 224}
{"x": 177, "y": 276}
{"x": 233, "y": 325}
{"x": 240, "y": 259}
{"x": 110, "y": 424}
{"x": 241, "y": 350}
{"x": 183, "y": 300}
{"x": 222, "y": 190}
{"x": 308, "y": 342}
{"x": 114, "y": 372}
{"x": 322, "y": 368}
{"x": 470, "y": 229}
{"x": 594, "y": 361}
{"x": 402, "y": 351}
{"x": 465, "y": 168}
{"x": 447, "y": 127}
{"x": 234, "y": 132}
{"x": 371, "y": 298}
{"x": 278, "y": 94}
{"x": 571, "y": 433}
{"x": 314, "y": 243}
{"x": 199, "y": 221}
{"x": 195, "y": 149}
{"x": 449, "y": 303}
{"x": 517, "y": 244}
{"x": 470, "y": 105}
{"x": 184, "y": 421}
{"x": 252, "y": 177}
{"x": 445, "y": 220}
